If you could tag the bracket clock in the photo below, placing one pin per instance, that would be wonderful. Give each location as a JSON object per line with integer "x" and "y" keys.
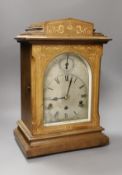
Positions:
{"x": 60, "y": 77}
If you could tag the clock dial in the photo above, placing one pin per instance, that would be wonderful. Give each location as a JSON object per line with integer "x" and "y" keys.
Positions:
{"x": 66, "y": 91}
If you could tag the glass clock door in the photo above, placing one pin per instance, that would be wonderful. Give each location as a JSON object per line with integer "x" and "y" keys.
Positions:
{"x": 67, "y": 90}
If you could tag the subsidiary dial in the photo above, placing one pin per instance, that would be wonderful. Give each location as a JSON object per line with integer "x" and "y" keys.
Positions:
{"x": 66, "y": 63}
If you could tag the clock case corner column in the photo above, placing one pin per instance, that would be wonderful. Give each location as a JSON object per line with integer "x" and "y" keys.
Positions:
{"x": 96, "y": 74}
{"x": 28, "y": 123}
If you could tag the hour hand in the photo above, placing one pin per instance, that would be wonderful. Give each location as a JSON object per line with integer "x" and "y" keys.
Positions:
{"x": 55, "y": 98}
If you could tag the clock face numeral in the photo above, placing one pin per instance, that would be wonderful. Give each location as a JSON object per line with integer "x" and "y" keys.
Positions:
{"x": 50, "y": 88}
{"x": 50, "y": 106}
{"x": 66, "y": 77}
{"x": 75, "y": 80}
{"x": 66, "y": 115}
{"x": 57, "y": 80}
{"x": 81, "y": 103}
{"x": 66, "y": 107}
{"x": 81, "y": 86}
{"x": 75, "y": 113}
{"x": 56, "y": 114}
{"x": 84, "y": 95}
{"x": 66, "y": 91}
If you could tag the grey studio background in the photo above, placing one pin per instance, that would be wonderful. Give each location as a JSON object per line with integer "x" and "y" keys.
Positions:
{"x": 15, "y": 16}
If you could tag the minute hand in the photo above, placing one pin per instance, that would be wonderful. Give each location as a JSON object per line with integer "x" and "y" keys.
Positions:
{"x": 67, "y": 94}
{"x": 55, "y": 98}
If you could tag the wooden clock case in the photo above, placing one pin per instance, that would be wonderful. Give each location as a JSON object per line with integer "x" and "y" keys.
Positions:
{"x": 40, "y": 43}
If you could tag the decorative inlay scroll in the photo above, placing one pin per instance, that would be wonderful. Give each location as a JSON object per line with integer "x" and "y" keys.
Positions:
{"x": 68, "y": 27}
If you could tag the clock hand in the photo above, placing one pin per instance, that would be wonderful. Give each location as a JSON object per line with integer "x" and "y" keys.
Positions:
{"x": 67, "y": 94}
{"x": 55, "y": 98}
{"x": 67, "y": 64}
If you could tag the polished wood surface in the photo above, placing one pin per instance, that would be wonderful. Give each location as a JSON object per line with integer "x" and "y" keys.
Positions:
{"x": 26, "y": 84}
{"x": 60, "y": 144}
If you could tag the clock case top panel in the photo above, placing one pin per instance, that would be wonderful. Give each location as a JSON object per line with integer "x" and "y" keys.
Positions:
{"x": 63, "y": 29}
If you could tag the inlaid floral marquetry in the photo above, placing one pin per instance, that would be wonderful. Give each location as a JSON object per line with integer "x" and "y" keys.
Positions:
{"x": 60, "y": 77}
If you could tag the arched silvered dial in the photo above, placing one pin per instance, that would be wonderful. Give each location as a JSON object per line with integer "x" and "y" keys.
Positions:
{"x": 66, "y": 91}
